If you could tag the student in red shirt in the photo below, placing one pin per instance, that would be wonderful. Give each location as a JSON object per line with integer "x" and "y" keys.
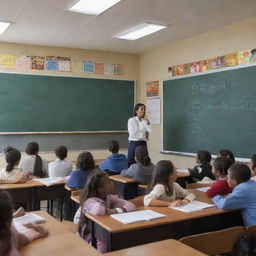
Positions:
{"x": 220, "y": 170}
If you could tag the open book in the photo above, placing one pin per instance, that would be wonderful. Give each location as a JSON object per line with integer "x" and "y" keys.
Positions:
{"x": 137, "y": 216}
{"x": 49, "y": 181}
{"x": 193, "y": 206}
{"x": 183, "y": 171}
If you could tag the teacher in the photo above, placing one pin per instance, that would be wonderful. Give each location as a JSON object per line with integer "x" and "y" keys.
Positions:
{"x": 138, "y": 128}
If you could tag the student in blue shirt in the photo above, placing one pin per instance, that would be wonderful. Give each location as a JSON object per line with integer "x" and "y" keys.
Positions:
{"x": 85, "y": 164}
{"x": 243, "y": 194}
{"x": 115, "y": 162}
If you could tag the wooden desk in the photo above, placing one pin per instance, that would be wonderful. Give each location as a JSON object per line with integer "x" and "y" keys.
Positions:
{"x": 175, "y": 225}
{"x": 182, "y": 179}
{"x": 60, "y": 242}
{"x": 162, "y": 248}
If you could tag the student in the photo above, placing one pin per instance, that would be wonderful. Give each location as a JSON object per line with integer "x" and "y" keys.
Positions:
{"x": 34, "y": 164}
{"x": 10, "y": 239}
{"x": 253, "y": 166}
{"x": 164, "y": 191}
{"x": 60, "y": 167}
{"x": 115, "y": 162}
{"x": 97, "y": 198}
{"x": 143, "y": 168}
{"x": 11, "y": 173}
{"x": 139, "y": 129}
{"x": 252, "y": 56}
{"x": 228, "y": 154}
{"x": 220, "y": 168}
{"x": 203, "y": 167}
{"x": 85, "y": 164}
{"x": 243, "y": 194}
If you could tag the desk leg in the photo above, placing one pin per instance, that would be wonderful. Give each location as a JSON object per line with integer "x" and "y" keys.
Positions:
{"x": 94, "y": 239}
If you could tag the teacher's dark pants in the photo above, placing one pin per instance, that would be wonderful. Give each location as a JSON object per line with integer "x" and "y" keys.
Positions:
{"x": 131, "y": 150}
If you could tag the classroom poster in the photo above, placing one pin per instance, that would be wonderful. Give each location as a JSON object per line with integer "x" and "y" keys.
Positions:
{"x": 174, "y": 70}
{"x": 170, "y": 72}
{"x": 118, "y": 69}
{"x": 51, "y": 63}
{"x": 108, "y": 69}
{"x": 243, "y": 57}
{"x": 154, "y": 110}
{"x": 152, "y": 88}
{"x": 8, "y": 61}
{"x": 230, "y": 60}
{"x": 212, "y": 63}
{"x": 23, "y": 63}
{"x": 88, "y": 66}
{"x": 180, "y": 70}
{"x": 187, "y": 68}
{"x": 220, "y": 62}
{"x": 99, "y": 68}
{"x": 64, "y": 64}
{"x": 253, "y": 56}
{"x": 37, "y": 62}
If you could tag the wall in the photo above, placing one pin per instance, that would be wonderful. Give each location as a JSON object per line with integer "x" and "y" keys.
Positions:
{"x": 154, "y": 65}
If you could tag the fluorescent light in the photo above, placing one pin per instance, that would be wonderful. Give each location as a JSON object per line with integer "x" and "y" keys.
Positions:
{"x": 3, "y": 26}
{"x": 140, "y": 31}
{"x": 93, "y": 7}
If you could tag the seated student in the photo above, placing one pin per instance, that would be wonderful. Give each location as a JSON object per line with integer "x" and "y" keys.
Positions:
{"x": 164, "y": 191}
{"x": 253, "y": 167}
{"x": 10, "y": 240}
{"x": 85, "y": 164}
{"x": 228, "y": 154}
{"x": 220, "y": 168}
{"x": 203, "y": 167}
{"x": 115, "y": 162}
{"x": 97, "y": 198}
{"x": 243, "y": 194}
{"x": 11, "y": 173}
{"x": 60, "y": 167}
{"x": 143, "y": 168}
{"x": 34, "y": 165}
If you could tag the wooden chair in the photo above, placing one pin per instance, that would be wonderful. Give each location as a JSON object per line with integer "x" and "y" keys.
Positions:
{"x": 138, "y": 201}
{"x": 251, "y": 232}
{"x": 217, "y": 242}
{"x": 197, "y": 185}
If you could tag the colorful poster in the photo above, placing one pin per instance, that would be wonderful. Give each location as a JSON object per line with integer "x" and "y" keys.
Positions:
{"x": 109, "y": 69}
{"x": 51, "y": 63}
{"x": 64, "y": 64}
{"x": 118, "y": 69}
{"x": 203, "y": 66}
{"x": 220, "y": 61}
{"x": 170, "y": 72}
{"x": 8, "y": 61}
{"x": 37, "y": 62}
{"x": 152, "y": 88}
{"x": 23, "y": 63}
{"x": 187, "y": 68}
{"x": 212, "y": 63}
{"x": 180, "y": 70}
{"x": 230, "y": 60}
{"x": 154, "y": 110}
{"x": 88, "y": 66}
{"x": 99, "y": 68}
{"x": 174, "y": 70}
{"x": 253, "y": 56}
{"x": 243, "y": 57}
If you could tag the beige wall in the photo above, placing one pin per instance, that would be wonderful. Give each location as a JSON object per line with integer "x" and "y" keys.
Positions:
{"x": 154, "y": 65}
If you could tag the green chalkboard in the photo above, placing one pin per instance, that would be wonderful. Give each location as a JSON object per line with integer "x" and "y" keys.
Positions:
{"x": 211, "y": 111}
{"x": 35, "y": 103}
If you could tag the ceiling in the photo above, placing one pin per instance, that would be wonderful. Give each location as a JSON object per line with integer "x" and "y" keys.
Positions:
{"x": 47, "y": 22}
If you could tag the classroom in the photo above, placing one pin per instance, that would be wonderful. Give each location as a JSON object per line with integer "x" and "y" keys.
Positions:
{"x": 89, "y": 79}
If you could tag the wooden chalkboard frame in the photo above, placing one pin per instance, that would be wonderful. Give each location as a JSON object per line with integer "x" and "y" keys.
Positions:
{"x": 70, "y": 132}
{"x": 189, "y": 154}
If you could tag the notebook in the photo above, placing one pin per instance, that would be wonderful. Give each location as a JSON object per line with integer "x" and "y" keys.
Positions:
{"x": 204, "y": 189}
{"x": 137, "y": 216}
{"x": 183, "y": 171}
{"x": 193, "y": 206}
{"x": 49, "y": 181}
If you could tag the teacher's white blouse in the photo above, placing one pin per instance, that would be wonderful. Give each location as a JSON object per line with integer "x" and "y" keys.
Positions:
{"x": 137, "y": 129}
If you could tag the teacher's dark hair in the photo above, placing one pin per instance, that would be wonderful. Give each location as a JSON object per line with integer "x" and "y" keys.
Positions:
{"x": 137, "y": 106}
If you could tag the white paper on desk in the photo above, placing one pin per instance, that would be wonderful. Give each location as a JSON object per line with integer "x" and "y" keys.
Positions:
{"x": 137, "y": 216}
{"x": 183, "y": 171}
{"x": 49, "y": 181}
{"x": 20, "y": 228}
{"x": 29, "y": 217}
{"x": 203, "y": 189}
{"x": 193, "y": 206}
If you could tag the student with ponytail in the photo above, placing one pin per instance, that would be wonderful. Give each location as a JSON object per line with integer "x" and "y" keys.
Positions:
{"x": 34, "y": 164}
{"x": 11, "y": 173}
{"x": 10, "y": 239}
{"x": 143, "y": 168}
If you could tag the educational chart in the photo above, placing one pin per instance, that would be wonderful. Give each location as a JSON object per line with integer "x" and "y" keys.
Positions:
{"x": 211, "y": 111}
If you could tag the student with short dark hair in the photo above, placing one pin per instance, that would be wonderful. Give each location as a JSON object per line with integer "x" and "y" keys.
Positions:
{"x": 85, "y": 164}
{"x": 60, "y": 167}
{"x": 220, "y": 168}
{"x": 115, "y": 162}
{"x": 34, "y": 164}
{"x": 243, "y": 194}
{"x": 143, "y": 168}
{"x": 203, "y": 167}
{"x": 228, "y": 154}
